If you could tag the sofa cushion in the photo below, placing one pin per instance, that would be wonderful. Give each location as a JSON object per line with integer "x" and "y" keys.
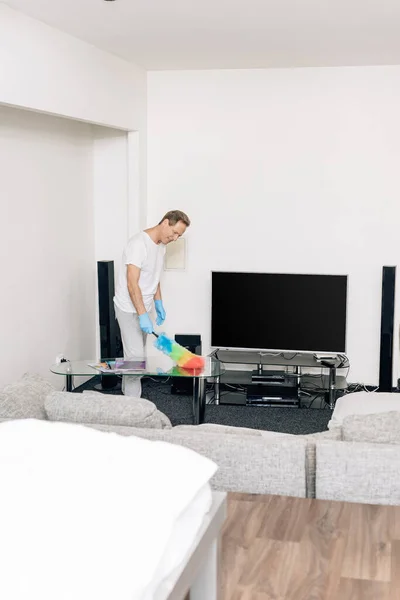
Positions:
{"x": 382, "y": 428}
{"x": 246, "y": 463}
{"x": 223, "y": 435}
{"x": 363, "y": 403}
{"x": 358, "y": 472}
{"x": 24, "y": 399}
{"x": 104, "y": 409}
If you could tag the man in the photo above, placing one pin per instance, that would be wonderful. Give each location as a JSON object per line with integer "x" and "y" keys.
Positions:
{"x": 138, "y": 285}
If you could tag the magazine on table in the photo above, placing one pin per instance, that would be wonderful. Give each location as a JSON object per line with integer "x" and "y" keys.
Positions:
{"x": 119, "y": 365}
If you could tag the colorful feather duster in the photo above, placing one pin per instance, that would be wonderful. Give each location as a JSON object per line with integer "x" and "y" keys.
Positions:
{"x": 182, "y": 356}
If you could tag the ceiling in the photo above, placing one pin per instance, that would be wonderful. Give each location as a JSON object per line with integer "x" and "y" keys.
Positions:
{"x": 217, "y": 34}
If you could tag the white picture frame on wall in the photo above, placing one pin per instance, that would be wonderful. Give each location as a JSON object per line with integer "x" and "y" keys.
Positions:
{"x": 175, "y": 255}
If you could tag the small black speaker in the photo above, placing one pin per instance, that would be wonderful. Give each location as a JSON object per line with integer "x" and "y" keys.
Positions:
{"x": 387, "y": 324}
{"x": 184, "y": 385}
{"x": 110, "y": 336}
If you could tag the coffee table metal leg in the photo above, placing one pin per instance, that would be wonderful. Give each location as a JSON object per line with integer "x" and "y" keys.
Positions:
{"x": 332, "y": 387}
{"x": 216, "y": 390}
{"x": 68, "y": 382}
{"x": 199, "y": 399}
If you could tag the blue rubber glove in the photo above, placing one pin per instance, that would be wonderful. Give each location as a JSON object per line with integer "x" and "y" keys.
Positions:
{"x": 160, "y": 310}
{"x": 145, "y": 323}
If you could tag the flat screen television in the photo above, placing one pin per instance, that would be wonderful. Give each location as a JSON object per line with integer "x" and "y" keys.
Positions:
{"x": 279, "y": 311}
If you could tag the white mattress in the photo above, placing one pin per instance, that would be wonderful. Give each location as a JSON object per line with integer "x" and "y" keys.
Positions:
{"x": 87, "y": 514}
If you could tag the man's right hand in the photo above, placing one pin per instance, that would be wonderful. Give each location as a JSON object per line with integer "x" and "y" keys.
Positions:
{"x": 145, "y": 323}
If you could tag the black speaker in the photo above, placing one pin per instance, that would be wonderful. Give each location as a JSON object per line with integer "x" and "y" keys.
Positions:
{"x": 387, "y": 323}
{"x": 110, "y": 336}
{"x": 184, "y": 385}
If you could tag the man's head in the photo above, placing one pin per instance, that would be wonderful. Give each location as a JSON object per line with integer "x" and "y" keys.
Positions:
{"x": 173, "y": 225}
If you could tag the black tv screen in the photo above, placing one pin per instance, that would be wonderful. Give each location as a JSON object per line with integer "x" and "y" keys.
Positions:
{"x": 279, "y": 311}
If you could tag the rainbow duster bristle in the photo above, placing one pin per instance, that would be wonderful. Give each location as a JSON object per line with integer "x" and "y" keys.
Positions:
{"x": 182, "y": 356}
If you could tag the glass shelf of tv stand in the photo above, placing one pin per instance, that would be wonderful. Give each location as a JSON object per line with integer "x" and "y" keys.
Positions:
{"x": 266, "y": 361}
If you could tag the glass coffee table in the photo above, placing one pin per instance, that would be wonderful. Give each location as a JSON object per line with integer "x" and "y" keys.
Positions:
{"x": 156, "y": 366}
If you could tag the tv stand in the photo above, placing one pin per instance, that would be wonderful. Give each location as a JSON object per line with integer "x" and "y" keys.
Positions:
{"x": 275, "y": 370}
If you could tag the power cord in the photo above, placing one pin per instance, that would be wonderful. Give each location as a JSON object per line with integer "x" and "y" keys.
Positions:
{"x": 235, "y": 387}
{"x": 312, "y": 401}
{"x": 359, "y": 387}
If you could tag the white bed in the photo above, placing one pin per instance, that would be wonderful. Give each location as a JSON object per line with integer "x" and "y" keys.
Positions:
{"x": 86, "y": 514}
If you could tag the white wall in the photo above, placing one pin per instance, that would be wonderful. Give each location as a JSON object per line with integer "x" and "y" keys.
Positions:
{"x": 44, "y": 69}
{"x": 285, "y": 171}
{"x": 110, "y": 188}
{"x": 47, "y": 249}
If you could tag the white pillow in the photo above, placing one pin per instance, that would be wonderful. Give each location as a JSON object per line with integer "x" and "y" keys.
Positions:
{"x": 86, "y": 514}
{"x": 104, "y": 409}
{"x": 363, "y": 403}
{"x": 24, "y": 399}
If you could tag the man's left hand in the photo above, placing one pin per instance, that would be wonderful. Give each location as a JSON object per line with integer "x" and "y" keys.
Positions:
{"x": 160, "y": 310}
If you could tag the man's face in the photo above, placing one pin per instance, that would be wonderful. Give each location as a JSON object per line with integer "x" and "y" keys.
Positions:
{"x": 170, "y": 233}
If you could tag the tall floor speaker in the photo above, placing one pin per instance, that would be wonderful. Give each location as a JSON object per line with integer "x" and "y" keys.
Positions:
{"x": 387, "y": 324}
{"x": 184, "y": 385}
{"x": 110, "y": 336}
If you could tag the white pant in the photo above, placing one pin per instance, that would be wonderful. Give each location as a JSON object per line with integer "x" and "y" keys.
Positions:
{"x": 134, "y": 343}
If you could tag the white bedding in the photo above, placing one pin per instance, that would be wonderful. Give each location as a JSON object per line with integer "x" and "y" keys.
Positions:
{"x": 90, "y": 515}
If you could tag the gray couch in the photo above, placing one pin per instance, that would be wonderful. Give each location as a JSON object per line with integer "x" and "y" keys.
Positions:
{"x": 345, "y": 463}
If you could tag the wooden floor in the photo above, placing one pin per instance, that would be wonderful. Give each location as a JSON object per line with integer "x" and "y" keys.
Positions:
{"x": 281, "y": 548}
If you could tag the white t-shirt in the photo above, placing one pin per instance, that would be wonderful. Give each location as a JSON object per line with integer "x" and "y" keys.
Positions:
{"x": 149, "y": 257}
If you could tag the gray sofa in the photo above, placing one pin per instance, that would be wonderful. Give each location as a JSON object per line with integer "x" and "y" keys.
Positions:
{"x": 344, "y": 463}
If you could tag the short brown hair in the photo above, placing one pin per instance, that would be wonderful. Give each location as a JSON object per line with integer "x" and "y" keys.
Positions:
{"x": 174, "y": 216}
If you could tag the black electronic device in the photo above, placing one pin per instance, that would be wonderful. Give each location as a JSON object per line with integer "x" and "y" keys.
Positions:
{"x": 110, "y": 336}
{"x": 191, "y": 341}
{"x": 274, "y": 394}
{"x": 282, "y": 391}
{"x": 288, "y": 312}
{"x": 387, "y": 324}
{"x": 260, "y": 375}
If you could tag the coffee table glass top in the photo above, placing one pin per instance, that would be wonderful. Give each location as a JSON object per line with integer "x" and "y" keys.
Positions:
{"x": 160, "y": 365}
